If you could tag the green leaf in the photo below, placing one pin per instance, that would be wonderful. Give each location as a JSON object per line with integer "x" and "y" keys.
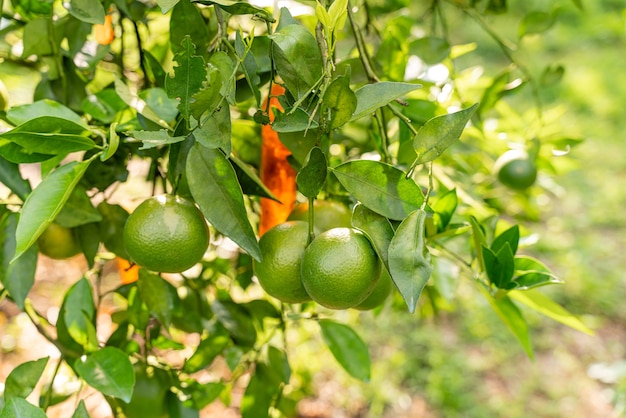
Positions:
{"x": 11, "y": 177}
{"x": 21, "y": 408}
{"x": 479, "y": 240}
{"x": 444, "y": 209}
{"x": 340, "y": 99}
{"x": 510, "y": 314}
{"x": 114, "y": 143}
{"x": 114, "y": 218}
{"x": 23, "y": 378}
{"x": 250, "y": 182}
{"x": 439, "y": 133}
{"x": 208, "y": 350}
{"x": 239, "y": 8}
{"x": 546, "y": 306}
{"x": 552, "y": 74}
{"x": 157, "y": 294}
{"x": 216, "y": 132}
{"x": 381, "y": 187}
{"x": 500, "y": 265}
{"x": 377, "y": 228}
{"x": 224, "y": 63}
{"x": 297, "y": 58}
{"x": 50, "y": 135}
{"x": 510, "y": 236}
{"x": 347, "y": 348}
{"x": 79, "y": 315}
{"x": 296, "y": 120}
{"x": 409, "y": 260}
{"x": 152, "y": 139}
{"x": 236, "y": 319}
{"x": 89, "y": 11}
{"x": 166, "y": 5}
{"x": 532, "y": 273}
{"x": 137, "y": 103}
{"x": 109, "y": 371}
{"x": 208, "y": 97}
{"x": 17, "y": 277}
{"x": 536, "y": 22}
{"x": 46, "y": 107}
{"x": 45, "y": 202}
{"x": 187, "y": 21}
{"x": 260, "y": 393}
{"x": 78, "y": 210}
{"x": 279, "y": 364}
{"x": 337, "y": 13}
{"x": 81, "y": 410}
{"x": 37, "y": 38}
{"x": 312, "y": 176}
{"x": 430, "y": 49}
{"x": 373, "y": 96}
{"x": 189, "y": 76}
{"x": 214, "y": 186}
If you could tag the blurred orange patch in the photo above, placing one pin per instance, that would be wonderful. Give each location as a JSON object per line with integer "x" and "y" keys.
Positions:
{"x": 129, "y": 273}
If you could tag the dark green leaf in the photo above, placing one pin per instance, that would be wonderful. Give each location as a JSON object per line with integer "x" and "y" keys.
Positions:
{"x": 187, "y": 21}
{"x": 377, "y": 228}
{"x": 430, "y": 49}
{"x": 78, "y": 210}
{"x": 373, "y": 96}
{"x": 17, "y": 154}
{"x": 496, "y": 6}
{"x": 297, "y": 58}
{"x": 11, "y": 177}
{"x": 439, "y": 133}
{"x": 45, "y": 202}
{"x": 279, "y": 364}
{"x": 90, "y": 11}
{"x": 546, "y": 306}
{"x": 237, "y": 321}
{"x": 299, "y": 143}
{"x": 409, "y": 260}
{"x": 341, "y": 100}
{"x": 510, "y": 236}
{"x": 189, "y": 76}
{"x": 204, "y": 394}
{"x": 294, "y": 121}
{"x": 23, "y": 378}
{"x": 50, "y": 135}
{"x": 17, "y": 277}
{"x": 215, "y": 132}
{"x": 21, "y": 408}
{"x": 109, "y": 371}
{"x": 381, "y": 187}
{"x": 157, "y": 294}
{"x": 312, "y": 176}
{"x": 88, "y": 236}
{"x": 500, "y": 265}
{"x": 214, "y": 186}
{"x": 510, "y": 314}
{"x": 260, "y": 393}
{"x": 22, "y": 114}
{"x": 240, "y": 8}
{"x": 444, "y": 209}
{"x": 536, "y": 22}
{"x": 250, "y": 182}
{"x": 208, "y": 349}
{"x": 348, "y": 348}
{"x": 114, "y": 218}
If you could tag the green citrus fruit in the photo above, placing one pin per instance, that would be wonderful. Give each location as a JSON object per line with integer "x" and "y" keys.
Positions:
{"x": 380, "y": 293}
{"x": 328, "y": 214}
{"x": 516, "y": 170}
{"x": 166, "y": 234}
{"x": 58, "y": 242}
{"x": 340, "y": 268}
{"x": 149, "y": 394}
{"x": 282, "y": 248}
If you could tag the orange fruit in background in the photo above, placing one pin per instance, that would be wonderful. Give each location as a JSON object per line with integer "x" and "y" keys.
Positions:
{"x": 104, "y": 32}
{"x": 129, "y": 272}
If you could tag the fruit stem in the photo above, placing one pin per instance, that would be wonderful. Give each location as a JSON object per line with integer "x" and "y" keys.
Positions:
{"x": 311, "y": 220}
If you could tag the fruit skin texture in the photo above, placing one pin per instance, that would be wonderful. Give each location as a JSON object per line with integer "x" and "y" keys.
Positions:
{"x": 340, "y": 268}
{"x": 380, "y": 293}
{"x": 58, "y": 242}
{"x": 166, "y": 233}
{"x": 516, "y": 170}
{"x": 282, "y": 248}
{"x": 328, "y": 214}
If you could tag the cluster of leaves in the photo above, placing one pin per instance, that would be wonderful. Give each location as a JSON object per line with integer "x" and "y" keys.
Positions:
{"x": 359, "y": 126}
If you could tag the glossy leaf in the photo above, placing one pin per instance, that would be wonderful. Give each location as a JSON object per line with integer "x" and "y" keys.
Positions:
{"x": 109, "y": 371}
{"x": 249, "y": 180}
{"x": 208, "y": 97}
{"x": 225, "y": 65}
{"x": 340, "y": 99}
{"x": 294, "y": 121}
{"x": 152, "y": 139}
{"x": 157, "y": 294}
{"x": 189, "y": 76}
{"x": 546, "y": 306}
{"x": 114, "y": 143}
{"x": 11, "y": 177}
{"x": 239, "y": 8}
{"x": 45, "y": 202}
{"x": 439, "y": 133}
{"x": 510, "y": 314}
{"x": 500, "y": 265}
{"x": 377, "y": 228}
{"x": 89, "y": 11}
{"x": 312, "y": 176}
{"x": 50, "y": 135}
{"x": 208, "y": 350}
{"x": 381, "y": 187}
{"x": 21, "y": 408}
{"x": 297, "y": 58}
{"x": 374, "y": 96}
{"x": 23, "y": 378}
{"x": 444, "y": 209}
{"x": 46, "y": 107}
{"x": 79, "y": 314}
{"x": 137, "y": 103}
{"x": 409, "y": 260}
{"x": 214, "y": 186}
{"x": 17, "y": 277}
{"x": 187, "y": 21}
{"x": 531, "y": 273}
{"x": 347, "y": 348}
{"x": 237, "y": 321}
{"x": 510, "y": 236}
